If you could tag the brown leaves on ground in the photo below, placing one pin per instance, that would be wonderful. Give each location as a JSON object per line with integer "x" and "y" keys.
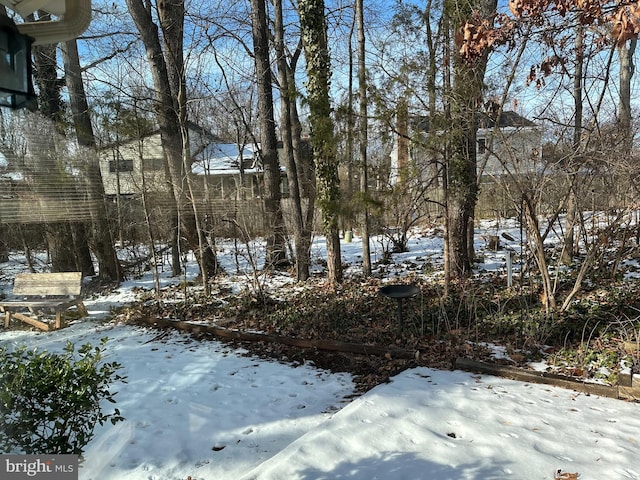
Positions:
{"x": 354, "y": 312}
{"x": 560, "y": 475}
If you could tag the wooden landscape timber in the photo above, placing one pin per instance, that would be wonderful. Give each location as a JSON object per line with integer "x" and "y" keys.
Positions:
{"x": 629, "y": 389}
{"x": 327, "y": 345}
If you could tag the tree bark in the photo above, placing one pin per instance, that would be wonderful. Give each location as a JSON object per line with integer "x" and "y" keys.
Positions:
{"x": 287, "y": 105}
{"x": 466, "y": 99}
{"x": 363, "y": 136}
{"x": 572, "y": 208}
{"x": 68, "y": 253}
{"x": 627, "y": 69}
{"x": 168, "y": 83}
{"x": 109, "y": 269}
{"x": 314, "y": 37}
{"x": 305, "y": 169}
{"x": 276, "y": 253}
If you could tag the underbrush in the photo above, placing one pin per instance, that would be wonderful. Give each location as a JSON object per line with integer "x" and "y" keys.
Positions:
{"x": 593, "y": 339}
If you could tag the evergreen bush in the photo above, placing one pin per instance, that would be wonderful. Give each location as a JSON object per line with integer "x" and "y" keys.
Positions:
{"x": 51, "y": 403}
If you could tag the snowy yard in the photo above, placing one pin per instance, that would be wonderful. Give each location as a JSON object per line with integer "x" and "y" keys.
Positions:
{"x": 201, "y": 409}
{"x": 205, "y": 410}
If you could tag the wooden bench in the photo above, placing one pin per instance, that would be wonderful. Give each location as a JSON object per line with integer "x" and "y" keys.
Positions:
{"x": 43, "y": 294}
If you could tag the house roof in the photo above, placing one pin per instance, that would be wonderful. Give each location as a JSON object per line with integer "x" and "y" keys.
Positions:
{"x": 225, "y": 158}
{"x": 505, "y": 119}
{"x": 199, "y": 137}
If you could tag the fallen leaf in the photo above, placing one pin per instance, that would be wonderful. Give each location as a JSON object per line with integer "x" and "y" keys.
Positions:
{"x": 560, "y": 475}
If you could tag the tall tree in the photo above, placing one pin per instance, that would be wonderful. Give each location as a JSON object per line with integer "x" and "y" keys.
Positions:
{"x": 627, "y": 69}
{"x": 572, "y": 207}
{"x": 167, "y": 71}
{"x": 465, "y": 101}
{"x": 363, "y": 134}
{"x": 302, "y": 221}
{"x": 313, "y": 28}
{"x": 67, "y": 241}
{"x": 276, "y": 253}
{"x": 101, "y": 240}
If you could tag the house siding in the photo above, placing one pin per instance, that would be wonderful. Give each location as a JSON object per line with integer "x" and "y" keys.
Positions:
{"x": 129, "y": 182}
{"x": 515, "y": 147}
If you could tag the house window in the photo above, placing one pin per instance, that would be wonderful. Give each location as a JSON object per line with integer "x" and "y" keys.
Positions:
{"x": 482, "y": 145}
{"x": 120, "y": 165}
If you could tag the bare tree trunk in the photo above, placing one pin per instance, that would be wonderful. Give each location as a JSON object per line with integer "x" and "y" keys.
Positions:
{"x": 627, "y": 69}
{"x": 287, "y": 99}
{"x": 305, "y": 169}
{"x": 363, "y": 136}
{"x": 347, "y": 214}
{"x": 171, "y": 15}
{"x": 314, "y": 37}
{"x": 101, "y": 240}
{"x": 168, "y": 82}
{"x": 64, "y": 239}
{"x": 466, "y": 98}
{"x": 446, "y": 81}
{"x": 533, "y": 229}
{"x": 306, "y": 179}
{"x": 572, "y": 209}
{"x": 276, "y": 253}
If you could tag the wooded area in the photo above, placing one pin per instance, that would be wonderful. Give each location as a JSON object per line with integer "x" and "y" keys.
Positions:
{"x": 415, "y": 113}
{"x": 186, "y": 182}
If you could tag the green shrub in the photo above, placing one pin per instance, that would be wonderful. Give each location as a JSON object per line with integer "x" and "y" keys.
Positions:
{"x": 50, "y": 403}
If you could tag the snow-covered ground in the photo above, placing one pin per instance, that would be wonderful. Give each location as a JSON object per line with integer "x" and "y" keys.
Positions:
{"x": 195, "y": 408}
{"x": 201, "y": 409}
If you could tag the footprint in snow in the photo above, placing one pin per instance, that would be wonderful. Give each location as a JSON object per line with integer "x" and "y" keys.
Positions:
{"x": 564, "y": 459}
{"x": 631, "y": 474}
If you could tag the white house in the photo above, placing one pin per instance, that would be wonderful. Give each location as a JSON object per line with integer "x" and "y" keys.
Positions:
{"x": 223, "y": 170}
{"x": 131, "y": 167}
{"x": 229, "y": 170}
{"x": 507, "y": 144}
